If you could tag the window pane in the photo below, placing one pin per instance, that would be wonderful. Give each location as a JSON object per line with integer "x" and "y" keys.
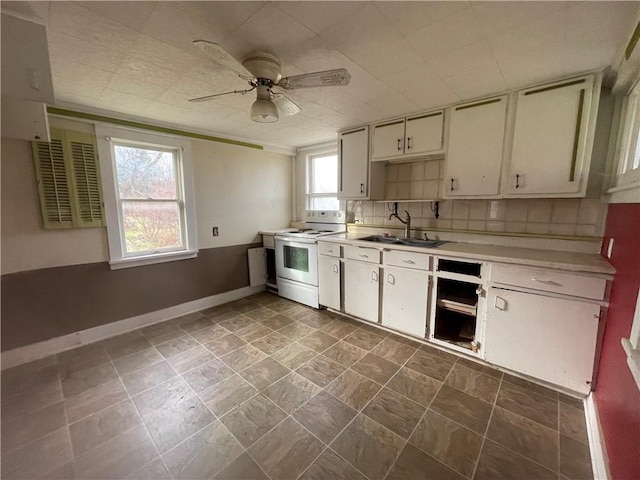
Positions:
{"x": 150, "y": 226}
{"x": 145, "y": 173}
{"x": 324, "y": 174}
{"x": 324, "y": 203}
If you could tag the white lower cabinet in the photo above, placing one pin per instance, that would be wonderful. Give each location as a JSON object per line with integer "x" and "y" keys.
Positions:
{"x": 329, "y": 281}
{"x": 404, "y": 300}
{"x": 362, "y": 289}
{"x": 549, "y": 338}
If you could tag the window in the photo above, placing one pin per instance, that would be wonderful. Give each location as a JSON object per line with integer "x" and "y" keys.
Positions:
{"x": 322, "y": 181}
{"x": 628, "y": 143}
{"x": 68, "y": 178}
{"x": 148, "y": 197}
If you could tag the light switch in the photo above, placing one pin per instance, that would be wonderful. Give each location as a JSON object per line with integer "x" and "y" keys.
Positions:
{"x": 500, "y": 303}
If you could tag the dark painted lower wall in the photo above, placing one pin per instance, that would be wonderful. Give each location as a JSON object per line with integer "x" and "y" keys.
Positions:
{"x": 41, "y": 304}
{"x": 617, "y": 396}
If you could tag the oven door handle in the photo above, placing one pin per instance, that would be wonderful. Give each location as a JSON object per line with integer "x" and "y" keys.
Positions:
{"x": 297, "y": 240}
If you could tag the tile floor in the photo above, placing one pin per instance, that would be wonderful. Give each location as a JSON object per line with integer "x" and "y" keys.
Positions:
{"x": 264, "y": 388}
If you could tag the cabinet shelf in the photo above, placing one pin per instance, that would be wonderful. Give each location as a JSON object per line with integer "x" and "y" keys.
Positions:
{"x": 457, "y": 306}
{"x": 405, "y": 200}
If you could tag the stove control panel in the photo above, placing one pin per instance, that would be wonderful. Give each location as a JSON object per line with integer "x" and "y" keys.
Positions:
{"x": 325, "y": 216}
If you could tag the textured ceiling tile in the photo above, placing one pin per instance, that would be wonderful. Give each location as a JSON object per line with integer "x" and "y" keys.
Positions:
{"x": 74, "y": 20}
{"x": 486, "y": 81}
{"x": 82, "y": 87}
{"x": 367, "y": 28}
{"x": 76, "y": 71}
{"x": 171, "y": 23}
{"x": 144, "y": 72}
{"x": 387, "y": 60}
{"x": 63, "y": 46}
{"x": 316, "y": 16}
{"x": 126, "y": 84}
{"x": 111, "y": 97}
{"x": 159, "y": 53}
{"x": 446, "y": 35}
{"x": 36, "y": 11}
{"x": 546, "y": 31}
{"x": 410, "y": 16}
{"x": 465, "y": 59}
{"x": 222, "y": 17}
{"x": 499, "y": 17}
{"x": 131, "y": 14}
{"x": 270, "y": 30}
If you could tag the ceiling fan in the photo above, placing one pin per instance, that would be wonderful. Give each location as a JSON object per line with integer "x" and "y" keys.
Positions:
{"x": 262, "y": 71}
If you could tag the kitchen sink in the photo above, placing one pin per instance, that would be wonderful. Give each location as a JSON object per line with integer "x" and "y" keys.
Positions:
{"x": 411, "y": 242}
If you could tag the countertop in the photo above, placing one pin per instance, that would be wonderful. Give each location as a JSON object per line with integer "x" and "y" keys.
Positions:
{"x": 273, "y": 231}
{"x": 575, "y": 262}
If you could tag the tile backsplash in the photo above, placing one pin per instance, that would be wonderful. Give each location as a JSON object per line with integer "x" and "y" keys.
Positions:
{"x": 559, "y": 216}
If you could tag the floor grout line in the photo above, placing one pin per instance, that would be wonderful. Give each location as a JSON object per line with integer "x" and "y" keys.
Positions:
{"x": 486, "y": 430}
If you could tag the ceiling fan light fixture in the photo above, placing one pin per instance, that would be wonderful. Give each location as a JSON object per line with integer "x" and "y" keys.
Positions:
{"x": 264, "y": 110}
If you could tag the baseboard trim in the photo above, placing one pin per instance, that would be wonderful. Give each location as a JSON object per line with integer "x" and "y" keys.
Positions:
{"x": 599, "y": 459}
{"x": 36, "y": 351}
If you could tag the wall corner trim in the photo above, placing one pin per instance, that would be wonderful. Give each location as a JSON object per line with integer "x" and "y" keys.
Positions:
{"x": 36, "y": 351}
{"x": 599, "y": 459}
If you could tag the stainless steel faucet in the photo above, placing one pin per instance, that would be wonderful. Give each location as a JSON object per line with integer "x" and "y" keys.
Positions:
{"x": 406, "y": 221}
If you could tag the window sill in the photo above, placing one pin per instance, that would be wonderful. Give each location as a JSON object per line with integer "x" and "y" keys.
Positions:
{"x": 152, "y": 259}
{"x": 633, "y": 359}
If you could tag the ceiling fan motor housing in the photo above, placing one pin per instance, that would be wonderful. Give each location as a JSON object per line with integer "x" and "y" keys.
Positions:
{"x": 263, "y": 65}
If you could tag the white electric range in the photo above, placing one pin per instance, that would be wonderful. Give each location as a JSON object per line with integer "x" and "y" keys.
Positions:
{"x": 297, "y": 255}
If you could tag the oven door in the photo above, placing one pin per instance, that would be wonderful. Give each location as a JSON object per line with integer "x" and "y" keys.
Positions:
{"x": 297, "y": 259}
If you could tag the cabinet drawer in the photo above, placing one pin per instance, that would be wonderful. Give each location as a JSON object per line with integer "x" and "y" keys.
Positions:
{"x": 268, "y": 241}
{"x": 363, "y": 254}
{"x": 550, "y": 281}
{"x": 419, "y": 261}
{"x": 329, "y": 249}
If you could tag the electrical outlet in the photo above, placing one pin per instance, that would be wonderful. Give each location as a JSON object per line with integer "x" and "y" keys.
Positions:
{"x": 215, "y": 231}
{"x": 610, "y": 248}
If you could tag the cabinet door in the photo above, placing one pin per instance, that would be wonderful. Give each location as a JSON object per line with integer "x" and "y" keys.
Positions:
{"x": 474, "y": 155}
{"x": 549, "y": 142}
{"x": 361, "y": 290}
{"x": 424, "y": 133}
{"x": 404, "y": 300}
{"x": 329, "y": 281}
{"x": 388, "y": 140}
{"x": 553, "y": 339}
{"x": 354, "y": 163}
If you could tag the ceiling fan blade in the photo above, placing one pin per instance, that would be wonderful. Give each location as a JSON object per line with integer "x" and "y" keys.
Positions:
{"x": 328, "y": 78}
{"x": 285, "y": 105}
{"x": 222, "y": 57}
{"x": 209, "y": 97}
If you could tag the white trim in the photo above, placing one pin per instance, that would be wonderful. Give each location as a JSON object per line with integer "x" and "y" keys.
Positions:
{"x": 599, "y": 459}
{"x": 105, "y": 136}
{"x": 633, "y": 359}
{"x": 151, "y": 259}
{"x": 36, "y": 351}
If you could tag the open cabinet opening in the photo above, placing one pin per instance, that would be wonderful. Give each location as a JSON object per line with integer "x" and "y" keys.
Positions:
{"x": 456, "y": 312}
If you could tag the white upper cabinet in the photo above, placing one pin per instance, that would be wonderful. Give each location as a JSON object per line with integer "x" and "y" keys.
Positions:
{"x": 474, "y": 155}
{"x": 357, "y": 179}
{"x": 552, "y": 139}
{"x": 408, "y": 137}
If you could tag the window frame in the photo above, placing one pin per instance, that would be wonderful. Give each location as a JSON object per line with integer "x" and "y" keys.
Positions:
{"x": 627, "y": 146}
{"x": 309, "y": 157}
{"x": 107, "y": 138}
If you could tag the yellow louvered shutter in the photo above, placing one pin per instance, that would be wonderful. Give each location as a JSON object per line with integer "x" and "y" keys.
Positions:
{"x": 53, "y": 184}
{"x": 86, "y": 179}
{"x": 69, "y": 180}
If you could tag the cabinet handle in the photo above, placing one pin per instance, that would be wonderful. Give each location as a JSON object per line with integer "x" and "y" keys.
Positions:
{"x": 500, "y": 303}
{"x": 517, "y": 180}
{"x": 335, "y": 268}
{"x": 390, "y": 279}
{"x": 410, "y": 262}
{"x": 374, "y": 276}
{"x": 399, "y": 144}
{"x": 362, "y": 188}
{"x": 330, "y": 250}
{"x": 363, "y": 255}
{"x": 452, "y": 184}
{"x": 576, "y": 138}
{"x": 409, "y": 142}
{"x": 547, "y": 282}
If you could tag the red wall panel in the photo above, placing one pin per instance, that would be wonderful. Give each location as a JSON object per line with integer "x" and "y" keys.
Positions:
{"x": 617, "y": 396}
